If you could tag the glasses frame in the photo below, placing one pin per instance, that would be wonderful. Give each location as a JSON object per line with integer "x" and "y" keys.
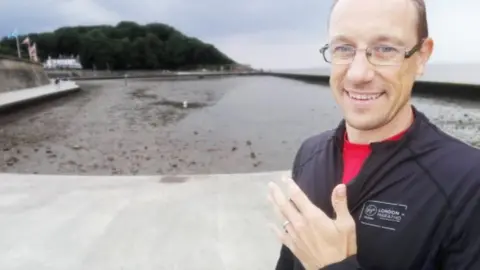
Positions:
{"x": 408, "y": 53}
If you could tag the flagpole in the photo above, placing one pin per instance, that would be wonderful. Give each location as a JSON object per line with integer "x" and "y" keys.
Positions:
{"x": 18, "y": 47}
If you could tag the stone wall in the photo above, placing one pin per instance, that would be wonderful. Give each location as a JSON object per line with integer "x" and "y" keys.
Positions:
{"x": 18, "y": 74}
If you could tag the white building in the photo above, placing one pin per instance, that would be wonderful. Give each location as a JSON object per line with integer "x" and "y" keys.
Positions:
{"x": 62, "y": 63}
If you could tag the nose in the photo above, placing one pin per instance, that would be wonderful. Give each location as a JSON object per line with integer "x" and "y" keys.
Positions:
{"x": 360, "y": 70}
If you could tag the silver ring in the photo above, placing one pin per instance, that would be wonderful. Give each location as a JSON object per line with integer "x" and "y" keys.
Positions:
{"x": 285, "y": 224}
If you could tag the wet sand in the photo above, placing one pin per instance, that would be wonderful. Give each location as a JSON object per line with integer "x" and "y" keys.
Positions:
{"x": 231, "y": 125}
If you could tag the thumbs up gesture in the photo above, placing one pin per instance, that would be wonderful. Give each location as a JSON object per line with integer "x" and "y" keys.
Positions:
{"x": 314, "y": 238}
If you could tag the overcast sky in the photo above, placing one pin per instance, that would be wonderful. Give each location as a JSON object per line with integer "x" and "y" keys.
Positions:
{"x": 274, "y": 34}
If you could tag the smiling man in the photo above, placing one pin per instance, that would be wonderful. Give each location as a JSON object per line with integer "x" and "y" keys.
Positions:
{"x": 386, "y": 189}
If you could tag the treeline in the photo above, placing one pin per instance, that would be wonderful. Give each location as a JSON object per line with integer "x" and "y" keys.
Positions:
{"x": 127, "y": 45}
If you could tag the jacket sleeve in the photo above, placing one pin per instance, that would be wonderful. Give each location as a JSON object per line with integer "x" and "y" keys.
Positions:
{"x": 349, "y": 263}
{"x": 462, "y": 250}
{"x": 286, "y": 260}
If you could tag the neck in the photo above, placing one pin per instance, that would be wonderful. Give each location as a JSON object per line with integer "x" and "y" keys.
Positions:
{"x": 399, "y": 123}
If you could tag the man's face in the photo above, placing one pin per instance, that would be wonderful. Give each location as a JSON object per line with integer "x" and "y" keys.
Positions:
{"x": 371, "y": 96}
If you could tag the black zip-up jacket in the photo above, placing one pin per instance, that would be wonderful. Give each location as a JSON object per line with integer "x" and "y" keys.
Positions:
{"x": 416, "y": 201}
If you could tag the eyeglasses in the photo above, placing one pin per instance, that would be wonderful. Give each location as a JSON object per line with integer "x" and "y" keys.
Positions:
{"x": 379, "y": 55}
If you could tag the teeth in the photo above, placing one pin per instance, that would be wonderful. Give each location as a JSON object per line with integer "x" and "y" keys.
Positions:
{"x": 364, "y": 97}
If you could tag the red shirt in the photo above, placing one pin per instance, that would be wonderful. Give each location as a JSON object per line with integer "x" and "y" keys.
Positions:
{"x": 354, "y": 155}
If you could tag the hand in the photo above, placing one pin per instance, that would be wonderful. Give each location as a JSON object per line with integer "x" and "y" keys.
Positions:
{"x": 314, "y": 238}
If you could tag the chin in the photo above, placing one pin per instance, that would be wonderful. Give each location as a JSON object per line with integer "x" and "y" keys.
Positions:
{"x": 366, "y": 121}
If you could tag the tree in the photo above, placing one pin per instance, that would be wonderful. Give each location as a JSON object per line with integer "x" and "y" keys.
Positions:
{"x": 126, "y": 45}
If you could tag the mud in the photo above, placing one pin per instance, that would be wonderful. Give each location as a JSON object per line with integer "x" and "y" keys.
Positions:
{"x": 230, "y": 125}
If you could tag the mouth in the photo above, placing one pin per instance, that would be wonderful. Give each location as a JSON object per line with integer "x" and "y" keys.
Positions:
{"x": 364, "y": 96}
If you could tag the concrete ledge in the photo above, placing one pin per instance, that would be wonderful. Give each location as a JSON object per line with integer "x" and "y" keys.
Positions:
{"x": 163, "y": 76}
{"x": 15, "y": 98}
{"x": 185, "y": 222}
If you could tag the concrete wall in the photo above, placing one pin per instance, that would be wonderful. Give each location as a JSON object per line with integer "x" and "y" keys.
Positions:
{"x": 88, "y": 74}
{"x": 466, "y": 90}
{"x": 101, "y": 73}
{"x": 139, "y": 74}
{"x": 18, "y": 74}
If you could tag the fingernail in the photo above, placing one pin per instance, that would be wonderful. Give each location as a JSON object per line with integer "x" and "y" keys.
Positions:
{"x": 289, "y": 181}
{"x": 342, "y": 190}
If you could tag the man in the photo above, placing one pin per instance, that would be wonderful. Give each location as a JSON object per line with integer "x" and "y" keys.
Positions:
{"x": 386, "y": 189}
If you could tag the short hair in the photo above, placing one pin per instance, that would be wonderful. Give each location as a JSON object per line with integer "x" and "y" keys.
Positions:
{"x": 422, "y": 23}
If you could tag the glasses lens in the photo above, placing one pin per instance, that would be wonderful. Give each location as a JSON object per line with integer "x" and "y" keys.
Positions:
{"x": 342, "y": 54}
{"x": 385, "y": 55}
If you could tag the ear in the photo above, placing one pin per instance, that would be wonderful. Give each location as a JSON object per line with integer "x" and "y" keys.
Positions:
{"x": 424, "y": 55}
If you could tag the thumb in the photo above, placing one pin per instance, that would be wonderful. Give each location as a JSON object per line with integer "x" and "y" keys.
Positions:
{"x": 340, "y": 203}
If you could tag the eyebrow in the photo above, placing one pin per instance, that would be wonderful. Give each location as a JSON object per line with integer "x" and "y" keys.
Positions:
{"x": 341, "y": 38}
{"x": 389, "y": 38}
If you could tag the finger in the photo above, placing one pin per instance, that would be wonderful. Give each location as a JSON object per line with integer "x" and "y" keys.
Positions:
{"x": 297, "y": 196}
{"x": 276, "y": 209}
{"x": 285, "y": 238}
{"x": 284, "y": 206}
{"x": 340, "y": 203}
{"x": 290, "y": 230}
{"x": 301, "y": 200}
{"x": 287, "y": 228}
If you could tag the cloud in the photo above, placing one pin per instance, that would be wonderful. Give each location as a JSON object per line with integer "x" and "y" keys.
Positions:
{"x": 74, "y": 12}
{"x": 270, "y": 49}
{"x": 264, "y": 33}
{"x": 215, "y": 18}
{"x": 47, "y": 15}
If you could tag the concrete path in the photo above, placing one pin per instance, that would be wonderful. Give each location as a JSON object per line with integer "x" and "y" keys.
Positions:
{"x": 143, "y": 222}
{"x": 25, "y": 95}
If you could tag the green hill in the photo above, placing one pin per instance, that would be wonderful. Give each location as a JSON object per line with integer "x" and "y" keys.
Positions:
{"x": 127, "y": 45}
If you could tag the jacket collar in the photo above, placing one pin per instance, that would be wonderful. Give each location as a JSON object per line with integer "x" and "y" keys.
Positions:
{"x": 419, "y": 122}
